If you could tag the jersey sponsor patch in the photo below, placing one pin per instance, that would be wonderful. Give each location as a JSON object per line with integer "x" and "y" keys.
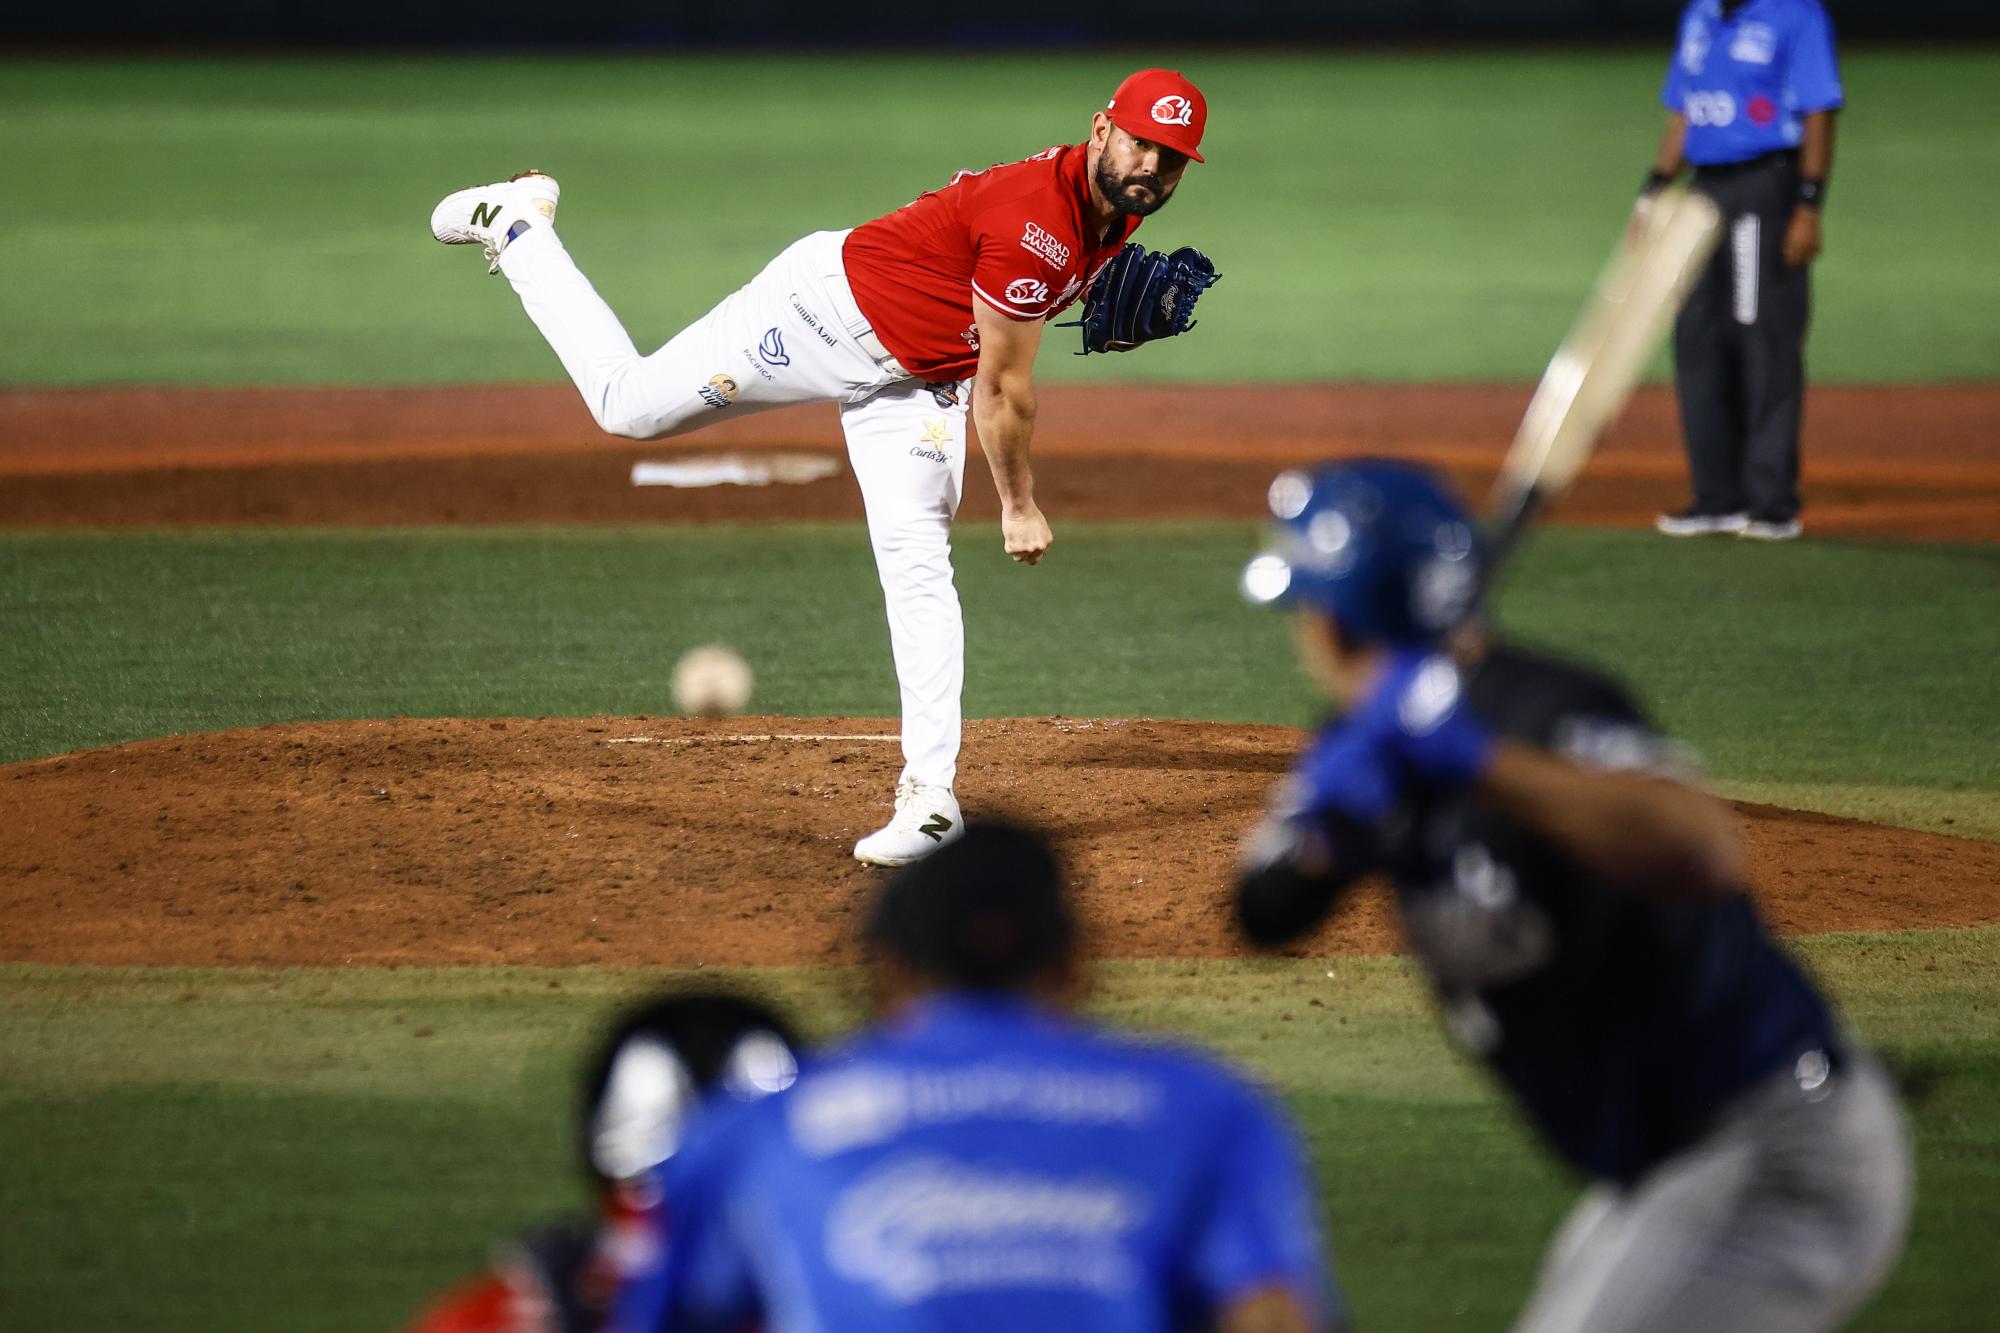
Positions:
{"x": 935, "y": 440}
{"x": 1617, "y": 746}
{"x": 1694, "y": 48}
{"x": 926, "y": 1225}
{"x": 772, "y": 348}
{"x": 720, "y": 391}
{"x": 849, "y": 1109}
{"x": 812, "y": 321}
{"x": 1754, "y": 44}
{"x": 1038, "y": 242}
{"x": 1027, "y": 291}
{"x": 768, "y": 356}
{"x": 1713, "y": 109}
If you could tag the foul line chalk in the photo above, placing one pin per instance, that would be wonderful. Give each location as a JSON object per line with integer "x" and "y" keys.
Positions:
{"x": 741, "y": 739}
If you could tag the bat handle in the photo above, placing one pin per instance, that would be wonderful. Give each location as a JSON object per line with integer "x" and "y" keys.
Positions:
{"x": 1501, "y": 539}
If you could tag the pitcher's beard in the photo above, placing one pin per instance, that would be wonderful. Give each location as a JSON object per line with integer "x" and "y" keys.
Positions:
{"x": 1114, "y": 188}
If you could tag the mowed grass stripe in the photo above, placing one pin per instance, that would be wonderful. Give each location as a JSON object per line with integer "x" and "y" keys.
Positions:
{"x": 1817, "y": 664}
{"x": 206, "y": 1148}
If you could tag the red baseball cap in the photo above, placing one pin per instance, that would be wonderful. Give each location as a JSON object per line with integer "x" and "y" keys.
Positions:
{"x": 1162, "y": 107}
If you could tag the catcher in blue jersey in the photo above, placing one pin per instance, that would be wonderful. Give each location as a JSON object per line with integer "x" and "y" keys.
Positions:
{"x": 980, "y": 1159}
{"x": 1578, "y": 909}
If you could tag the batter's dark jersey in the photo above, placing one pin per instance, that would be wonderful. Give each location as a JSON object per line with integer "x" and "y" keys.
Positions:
{"x": 1620, "y": 1023}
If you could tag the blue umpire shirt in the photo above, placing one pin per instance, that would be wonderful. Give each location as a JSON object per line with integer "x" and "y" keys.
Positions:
{"x": 1746, "y": 81}
{"x": 982, "y": 1163}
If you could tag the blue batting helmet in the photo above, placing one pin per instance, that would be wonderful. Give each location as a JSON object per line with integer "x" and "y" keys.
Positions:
{"x": 1378, "y": 545}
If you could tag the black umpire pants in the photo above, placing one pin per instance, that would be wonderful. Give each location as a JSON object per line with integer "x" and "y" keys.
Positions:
{"x": 1739, "y": 347}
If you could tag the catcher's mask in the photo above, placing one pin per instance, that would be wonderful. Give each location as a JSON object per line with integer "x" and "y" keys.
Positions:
{"x": 1375, "y": 544}
{"x": 661, "y": 1060}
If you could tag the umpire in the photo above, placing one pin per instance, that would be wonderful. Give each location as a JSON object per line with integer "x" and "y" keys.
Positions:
{"x": 1751, "y": 96}
{"x": 1575, "y": 905}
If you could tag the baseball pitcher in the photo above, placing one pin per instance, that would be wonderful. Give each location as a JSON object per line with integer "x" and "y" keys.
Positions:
{"x": 906, "y": 323}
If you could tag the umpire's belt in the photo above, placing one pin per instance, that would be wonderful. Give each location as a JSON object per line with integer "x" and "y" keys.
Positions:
{"x": 1777, "y": 157}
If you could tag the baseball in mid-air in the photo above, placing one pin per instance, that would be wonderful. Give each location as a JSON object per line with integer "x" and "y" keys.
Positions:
{"x": 712, "y": 681}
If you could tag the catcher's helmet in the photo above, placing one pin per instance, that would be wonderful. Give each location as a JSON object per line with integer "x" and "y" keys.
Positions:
{"x": 1378, "y": 545}
{"x": 662, "y": 1059}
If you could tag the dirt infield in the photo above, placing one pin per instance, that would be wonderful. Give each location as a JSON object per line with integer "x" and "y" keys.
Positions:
{"x": 652, "y": 842}
{"x": 675, "y": 842}
{"x": 1911, "y": 462}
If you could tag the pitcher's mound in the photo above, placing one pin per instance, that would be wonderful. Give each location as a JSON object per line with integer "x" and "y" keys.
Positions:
{"x": 560, "y": 841}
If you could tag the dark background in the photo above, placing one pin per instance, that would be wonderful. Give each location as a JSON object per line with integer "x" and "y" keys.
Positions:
{"x": 906, "y": 24}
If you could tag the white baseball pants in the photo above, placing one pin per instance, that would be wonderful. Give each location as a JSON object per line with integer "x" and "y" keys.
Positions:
{"x": 794, "y": 335}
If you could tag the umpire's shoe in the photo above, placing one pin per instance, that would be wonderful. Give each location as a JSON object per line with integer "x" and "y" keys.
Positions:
{"x": 1771, "y": 529}
{"x": 926, "y": 819}
{"x": 1695, "y": 523}
{"x": 492, "y": 215}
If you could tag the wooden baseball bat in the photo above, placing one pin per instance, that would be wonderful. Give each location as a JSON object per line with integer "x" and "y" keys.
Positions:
{"x": 1598, "y": 364}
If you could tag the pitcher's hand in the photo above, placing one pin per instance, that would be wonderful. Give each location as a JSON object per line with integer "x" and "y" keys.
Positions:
{"x": 1026, "y": 534}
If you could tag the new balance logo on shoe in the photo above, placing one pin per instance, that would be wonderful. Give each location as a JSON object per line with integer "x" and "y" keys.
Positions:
{"x": 485, "y": 215}
{"x": 926, "y": 819}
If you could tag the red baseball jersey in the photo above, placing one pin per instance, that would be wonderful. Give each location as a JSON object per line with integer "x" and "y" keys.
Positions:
{"x": 1018, "y": 235}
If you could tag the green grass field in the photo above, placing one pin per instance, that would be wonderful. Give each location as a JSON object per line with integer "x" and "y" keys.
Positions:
{"x": 129, "y": 636}
{"x": 220, "y": 1144}
{"x": 320, "y": 1149}
{"x": 1376, "y": 216}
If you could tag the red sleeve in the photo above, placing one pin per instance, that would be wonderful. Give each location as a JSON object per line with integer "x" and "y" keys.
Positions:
{"x": 1021, "y": 263}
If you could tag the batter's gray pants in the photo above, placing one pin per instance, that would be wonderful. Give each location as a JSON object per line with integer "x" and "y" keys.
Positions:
{"x": 1783, "y": 1220}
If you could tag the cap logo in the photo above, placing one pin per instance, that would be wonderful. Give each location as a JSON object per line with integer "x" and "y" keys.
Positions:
{"x": 1173, "y": 109}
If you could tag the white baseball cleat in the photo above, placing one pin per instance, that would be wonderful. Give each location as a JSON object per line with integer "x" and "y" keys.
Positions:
{"x": 926, "y": 819}
{"x": 492, "y": 215}
{"x": 1694, "y": 523}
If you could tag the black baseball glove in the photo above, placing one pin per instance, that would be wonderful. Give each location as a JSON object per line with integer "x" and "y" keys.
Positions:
{"x": 1142, "y": 295}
